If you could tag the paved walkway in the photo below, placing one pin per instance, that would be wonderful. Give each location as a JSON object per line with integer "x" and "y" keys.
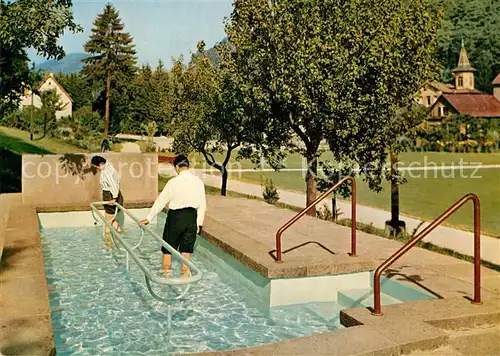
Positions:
{"x": 457, "y": 240}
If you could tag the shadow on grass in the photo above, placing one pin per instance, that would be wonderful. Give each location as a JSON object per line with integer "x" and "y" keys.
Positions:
{"x": 11, "y": 150}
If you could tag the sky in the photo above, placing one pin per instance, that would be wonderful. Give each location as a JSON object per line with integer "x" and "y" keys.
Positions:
{"x": 161, "y": 29}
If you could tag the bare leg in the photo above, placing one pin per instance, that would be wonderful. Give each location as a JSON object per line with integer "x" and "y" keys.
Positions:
{"x": 185, "y": 269}
{"x": 107, "y": 234}
{"x": 167, "y": 263}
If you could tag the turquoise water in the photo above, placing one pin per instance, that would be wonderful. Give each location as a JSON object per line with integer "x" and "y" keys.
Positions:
{"x": 100, "y": 308}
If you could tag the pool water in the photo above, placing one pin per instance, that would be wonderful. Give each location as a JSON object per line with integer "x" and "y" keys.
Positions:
{"x": 100, "y": 308}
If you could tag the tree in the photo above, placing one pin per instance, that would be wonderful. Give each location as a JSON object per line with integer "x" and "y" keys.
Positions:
{"x": 51, "y": 103}
{"x": 113, "y": 61}
{"x": 338, "y": 70}
{"x": 209, "y": 114}
{"x": 43, "y": 22}
{"x": 77, "y": 86}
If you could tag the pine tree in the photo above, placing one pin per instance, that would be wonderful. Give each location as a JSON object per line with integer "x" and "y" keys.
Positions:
{"x": 113, "y": 55}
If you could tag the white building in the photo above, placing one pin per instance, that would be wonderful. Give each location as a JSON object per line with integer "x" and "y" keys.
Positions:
{"x": 49, "y": 83}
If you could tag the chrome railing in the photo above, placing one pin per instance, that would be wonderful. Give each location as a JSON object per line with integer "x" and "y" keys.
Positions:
{"x": 130, "y": 252}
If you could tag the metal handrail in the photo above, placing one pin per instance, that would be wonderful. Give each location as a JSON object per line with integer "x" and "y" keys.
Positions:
{"x": 313, "y": 204}
{"x": 377, "y": 308}
{"x": 196, "y": 273}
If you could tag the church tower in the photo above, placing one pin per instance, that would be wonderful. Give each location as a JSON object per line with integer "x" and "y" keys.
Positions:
{"x": 464, "y": 73}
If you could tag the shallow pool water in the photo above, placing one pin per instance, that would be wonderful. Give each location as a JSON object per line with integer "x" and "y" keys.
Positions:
{"x": 100, "y": 308}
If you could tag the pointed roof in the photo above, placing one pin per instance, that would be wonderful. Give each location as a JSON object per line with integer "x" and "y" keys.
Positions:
{"x": 53, "y": 77}
{"x": 496, "y": 81}
{"x": 463, "y": 62}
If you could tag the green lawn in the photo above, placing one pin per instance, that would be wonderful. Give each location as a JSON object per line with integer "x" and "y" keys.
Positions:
{"x": 424, "y": 197}
{"x": 19, "y": 142}
{"x": 413, "y": 159}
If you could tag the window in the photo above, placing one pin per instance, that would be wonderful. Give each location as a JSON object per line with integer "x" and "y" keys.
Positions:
{"x": 460, "y": 82}
{"x": 445, "y": 111}
{"x": 428, "y": 100}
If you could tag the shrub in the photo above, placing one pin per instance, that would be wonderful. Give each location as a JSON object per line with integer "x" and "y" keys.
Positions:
{"x": 270, "y": 192}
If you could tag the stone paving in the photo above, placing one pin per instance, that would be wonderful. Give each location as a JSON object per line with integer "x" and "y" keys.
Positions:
{"x": 443, "y": 236}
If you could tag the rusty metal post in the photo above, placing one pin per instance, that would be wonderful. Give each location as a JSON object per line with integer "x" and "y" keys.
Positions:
{"x": 314, "y": 203}
{"x": 477, "y": 251}
{"x": 377, "y": 308}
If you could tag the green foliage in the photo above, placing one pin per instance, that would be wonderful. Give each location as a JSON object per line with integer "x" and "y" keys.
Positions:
{"x": 88, "y": 121}
{"x": 208, "y": 111}
{"x": 111, "y": 66}
{"x": 477, "y": 23}
{"x": 29, "y": 24}
{"x": 150, "y": 129}
{"x": 337, "y": 70}
{"x": 462, "y": 134}
{"x": 270, "y": 192}
{"x": 152, "y": 98}
{"x": 77, "y": 86}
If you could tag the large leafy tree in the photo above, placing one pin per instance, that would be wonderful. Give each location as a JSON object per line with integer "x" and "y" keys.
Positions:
{"x": 28, "y": 24}
{"x": 112, "y": 61}
{"x": 334, "y": 70}
{"x": 209, "y": 114}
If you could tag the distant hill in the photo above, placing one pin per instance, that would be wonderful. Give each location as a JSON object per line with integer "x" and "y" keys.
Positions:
{"x": 71, "y": 63}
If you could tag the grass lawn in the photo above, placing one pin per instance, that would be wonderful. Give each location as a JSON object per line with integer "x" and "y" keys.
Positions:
{"x": 425, "y": 197}
{"x": 18, "y": 141}
{"x": 416, "y": 159}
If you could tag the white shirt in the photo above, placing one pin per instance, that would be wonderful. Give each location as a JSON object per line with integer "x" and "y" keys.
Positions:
{"x": 110, "y": 180}
{"x": 183, "y": 191}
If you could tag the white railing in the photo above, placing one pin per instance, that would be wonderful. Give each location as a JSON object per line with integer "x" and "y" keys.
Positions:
{"x": 130, "y": 252}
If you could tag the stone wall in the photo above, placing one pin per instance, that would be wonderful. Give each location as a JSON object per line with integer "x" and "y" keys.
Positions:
{"x": 69, "y": 180}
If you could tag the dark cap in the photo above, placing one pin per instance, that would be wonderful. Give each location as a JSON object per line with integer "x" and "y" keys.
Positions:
{"x": 97, "y": 160}
{"x": 181, "y": 161}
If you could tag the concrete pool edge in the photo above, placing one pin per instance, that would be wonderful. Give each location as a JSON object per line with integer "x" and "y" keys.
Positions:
{"x": 25, "y": 316}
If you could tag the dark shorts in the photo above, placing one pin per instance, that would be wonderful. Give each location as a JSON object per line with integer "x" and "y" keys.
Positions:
{"x": 107, "y": 196}
{"x": 180, "y": 230}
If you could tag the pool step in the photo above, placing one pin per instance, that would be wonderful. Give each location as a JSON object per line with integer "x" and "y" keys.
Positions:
{"x": 328, "y": 312}
{"x": 354, "y": 298}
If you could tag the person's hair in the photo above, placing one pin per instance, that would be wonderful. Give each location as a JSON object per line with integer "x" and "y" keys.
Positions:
{"x": 97, "y": 160}
{"x": 181, "y": 161}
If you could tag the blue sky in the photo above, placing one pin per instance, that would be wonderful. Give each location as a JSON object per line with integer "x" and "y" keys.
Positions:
{"x": 161, "y": 29}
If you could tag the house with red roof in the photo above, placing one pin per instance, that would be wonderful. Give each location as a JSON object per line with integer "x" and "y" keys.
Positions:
{"x": 462, "y": 98}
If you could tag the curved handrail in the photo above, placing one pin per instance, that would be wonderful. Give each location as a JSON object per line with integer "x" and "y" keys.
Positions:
{"x": 313, "y": 204}
{"x": 196, "y": 273}
{"x": 112, "y": 235}
{"x": 377, "y": 308}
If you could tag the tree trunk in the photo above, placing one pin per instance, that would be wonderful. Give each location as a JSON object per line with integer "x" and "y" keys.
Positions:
{"x": 334, "y": 207}
{"x": 312, "y": 170}
{"x": 223, "y": 189}
{"x": 32, "y": 124}
{"x": 106, "y": 113}
{"x": 394, "y": 193}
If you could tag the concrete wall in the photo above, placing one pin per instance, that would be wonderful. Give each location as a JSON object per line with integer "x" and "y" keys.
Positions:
{"x": 68, "y": 180}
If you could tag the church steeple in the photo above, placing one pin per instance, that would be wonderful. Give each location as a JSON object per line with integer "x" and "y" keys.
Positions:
{"x": 464, "y": 73}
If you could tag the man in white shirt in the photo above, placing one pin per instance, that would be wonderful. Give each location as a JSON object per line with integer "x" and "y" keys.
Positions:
{"x": 185, "y": 197}
{"x": 110, "y": 185}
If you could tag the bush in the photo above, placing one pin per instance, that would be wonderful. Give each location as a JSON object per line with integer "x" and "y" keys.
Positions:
{"x": 270, "y": 192}
{"x": 324, "y": 213}
{"x": 88, "y": 120}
